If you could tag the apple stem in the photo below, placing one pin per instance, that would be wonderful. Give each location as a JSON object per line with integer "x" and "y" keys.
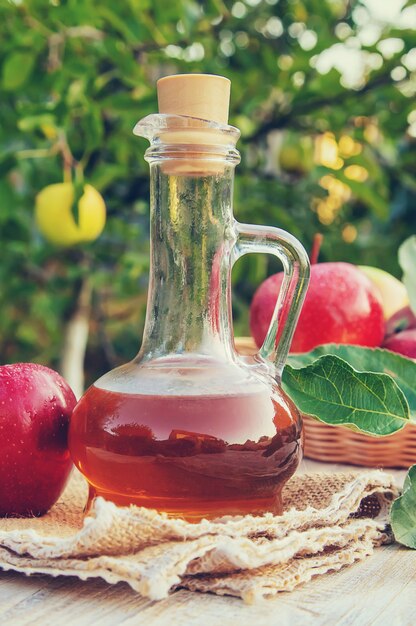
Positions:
{"x": 316, "y": 246}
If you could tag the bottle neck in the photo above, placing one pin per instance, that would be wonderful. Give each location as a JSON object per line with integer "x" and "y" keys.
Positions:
{"x": 192, "y": 236}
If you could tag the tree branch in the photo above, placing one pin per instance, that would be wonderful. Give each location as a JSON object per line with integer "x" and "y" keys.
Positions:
{"x": 307, "y": 106}
{"x": 75, "y": 341}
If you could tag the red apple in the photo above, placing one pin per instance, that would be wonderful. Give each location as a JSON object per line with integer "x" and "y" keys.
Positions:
{"x": 35, "y": 406}
{"x": 341, "y": 306}
{"x": 404, "y": 319}
{"x": 402, "y": 343}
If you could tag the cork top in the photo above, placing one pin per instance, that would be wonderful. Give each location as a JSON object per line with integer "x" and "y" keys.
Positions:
{"x": 205, "y": 96}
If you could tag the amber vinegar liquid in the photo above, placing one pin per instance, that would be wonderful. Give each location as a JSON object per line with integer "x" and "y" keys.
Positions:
{"x": 191, "y": 455}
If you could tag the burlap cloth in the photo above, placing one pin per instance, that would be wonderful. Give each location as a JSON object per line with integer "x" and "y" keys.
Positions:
{"x": 331, "y": 520}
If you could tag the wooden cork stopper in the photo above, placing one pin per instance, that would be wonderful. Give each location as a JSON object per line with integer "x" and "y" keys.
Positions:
{"x": 205, "y": 96}
{"x": 202, "y": 96}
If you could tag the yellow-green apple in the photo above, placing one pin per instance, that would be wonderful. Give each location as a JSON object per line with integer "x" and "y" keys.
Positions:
{"x": 35, "y": 406}
{"x": 393, "y": 293}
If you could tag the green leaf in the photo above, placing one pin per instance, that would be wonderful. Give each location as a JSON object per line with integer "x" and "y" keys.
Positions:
{"x": 335, "y": 393}
{"x": 33, "y": 122}
{"x": 17, "y": 69}
{"x": 407, "y": 260}
{"x": 401, "y": 369}
{"x": 403, "y": 512}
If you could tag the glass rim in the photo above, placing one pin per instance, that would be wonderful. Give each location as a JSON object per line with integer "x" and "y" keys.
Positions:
{"x": 156, "y": 124}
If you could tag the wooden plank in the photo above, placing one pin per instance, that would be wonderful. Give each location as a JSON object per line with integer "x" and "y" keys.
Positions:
{"x": 69, "y": 602}
{"x": 402, "y": 610}
{"x": 15, "y": 589}
{"x": 194, "y": 609}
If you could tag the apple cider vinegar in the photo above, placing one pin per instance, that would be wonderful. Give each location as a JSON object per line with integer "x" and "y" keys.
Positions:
{"x": 189, "y": 455}
{"x": 189, "y": 426}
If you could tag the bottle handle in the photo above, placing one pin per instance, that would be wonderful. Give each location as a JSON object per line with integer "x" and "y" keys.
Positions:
{"x": 295, "y": 261}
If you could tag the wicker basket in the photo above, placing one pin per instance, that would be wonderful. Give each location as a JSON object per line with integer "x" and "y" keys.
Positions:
{"x": 341, "y": 445}
{"x": 335, "y": 444}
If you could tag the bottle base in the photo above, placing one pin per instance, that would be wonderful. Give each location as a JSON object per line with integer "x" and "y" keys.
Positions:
{"x": 192, "y": 510}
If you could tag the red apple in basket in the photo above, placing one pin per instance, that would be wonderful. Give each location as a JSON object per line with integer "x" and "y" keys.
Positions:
{"x": 341, "y": 306}
{"x": 35, "y": 406}
{"x": 403, "y": 343}
{"x": 404, "y": 319}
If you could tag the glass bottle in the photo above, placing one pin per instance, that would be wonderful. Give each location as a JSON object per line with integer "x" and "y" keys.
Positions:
{"x": 189, "y": 426}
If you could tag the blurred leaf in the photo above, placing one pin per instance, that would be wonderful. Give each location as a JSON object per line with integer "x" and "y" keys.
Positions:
{"x": 122, "y": 26}
{"x": 17, "y": 69}
{"x": 106, "y": 174}
{"x": 7, "y": 163}
{"x": 364, "y": 192}
{"x": 407, "y": 260}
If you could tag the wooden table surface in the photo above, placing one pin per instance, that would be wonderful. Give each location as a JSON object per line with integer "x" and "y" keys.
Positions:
{"x": 380, "y": 591}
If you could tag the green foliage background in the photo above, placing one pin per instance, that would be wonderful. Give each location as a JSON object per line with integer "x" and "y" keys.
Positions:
{"x": 81, "y": 73}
